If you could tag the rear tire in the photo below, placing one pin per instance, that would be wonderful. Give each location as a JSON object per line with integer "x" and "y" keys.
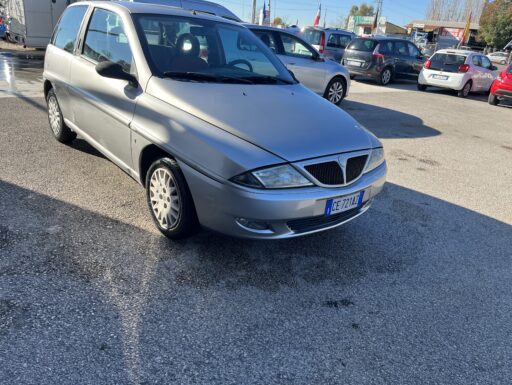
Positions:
{"x": 422, "y": 87}
{"x": 385, "y": 77}
{"x": 336, "y": 90}
{"x": 464, "y": 92}
{"x": 61, "y": 132}
{"x": 493, "y": 100}
{"x": 169, "y": 200}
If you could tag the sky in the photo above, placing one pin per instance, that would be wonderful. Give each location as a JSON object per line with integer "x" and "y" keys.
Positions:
{"x": 399, "y": 12}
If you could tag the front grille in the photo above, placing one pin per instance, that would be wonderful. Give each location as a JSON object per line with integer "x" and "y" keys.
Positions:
{"x": 329, "y": 173}
{"x": 355, "y": 167}
{"x": 305, "y": 225}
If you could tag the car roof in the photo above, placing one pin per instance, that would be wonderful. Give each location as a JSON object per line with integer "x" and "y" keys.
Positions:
{"x": 382, "y": 38}
{"x": 457, "y": 51}
{"x": 149, "y": 8}
{"x": 330, "y": 29}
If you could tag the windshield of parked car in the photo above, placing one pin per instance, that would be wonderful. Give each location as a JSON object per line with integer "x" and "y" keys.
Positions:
{"x": 364, "y": 45}
{"x": 201, "y": 50}
{"x": 446, "y": 62}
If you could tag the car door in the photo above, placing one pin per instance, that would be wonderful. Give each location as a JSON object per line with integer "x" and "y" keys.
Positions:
{"x": 303, "y": 61}
{"x": 402, "y": 59}
{"x": 104, "y": 107}
{"x": 416, "y": 61}
{"x": 488, "y": 73}
{"x": 477, "y": 73}
{"x": 59, "y": 55}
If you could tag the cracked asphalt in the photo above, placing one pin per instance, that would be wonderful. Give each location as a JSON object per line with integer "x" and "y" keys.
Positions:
{"x": 416, "y": 291}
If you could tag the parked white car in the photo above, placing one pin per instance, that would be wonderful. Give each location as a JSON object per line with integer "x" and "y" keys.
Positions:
{"x": 498, "y": 57}
{"x": 459, "y": 70}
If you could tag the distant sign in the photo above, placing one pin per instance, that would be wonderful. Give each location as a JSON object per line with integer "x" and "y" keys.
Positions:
{"x": 418, "y": 25}
{"x": 454, "y": 33}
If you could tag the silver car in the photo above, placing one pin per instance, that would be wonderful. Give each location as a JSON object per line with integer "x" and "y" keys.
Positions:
{"x": 200, "y": 112}
{"x": 323, "y": 76}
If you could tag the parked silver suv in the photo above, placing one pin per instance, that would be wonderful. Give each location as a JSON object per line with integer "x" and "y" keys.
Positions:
{"x": 203, "y": 114}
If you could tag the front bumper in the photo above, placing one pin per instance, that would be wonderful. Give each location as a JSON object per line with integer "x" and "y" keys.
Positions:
{"x": 501, "y": 90}
{"x": 288, "y": 213}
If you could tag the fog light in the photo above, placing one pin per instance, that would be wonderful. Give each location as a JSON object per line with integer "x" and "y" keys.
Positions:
{"x": 252, "y": 224}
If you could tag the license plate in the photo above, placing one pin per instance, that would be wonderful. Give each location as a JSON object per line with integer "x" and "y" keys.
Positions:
{"x": 354, "y": 63}
{"x": 339, "y": 205}
{"x": 440, "y": 77}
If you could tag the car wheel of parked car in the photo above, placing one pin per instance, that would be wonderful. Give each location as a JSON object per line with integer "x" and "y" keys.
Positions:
{"x": 61, "y": 132}
{"x": 464, "y": 92}
{"x": 384, "y": 78}
{"x": 503, "y": 62}
{"x": 169, "y": 199}
{"x": 493, "y": 100}
{"x": 422, "y": 87}
{"x": 335, "y": 91}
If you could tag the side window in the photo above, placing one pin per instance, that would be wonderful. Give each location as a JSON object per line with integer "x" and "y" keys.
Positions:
{"x": 333, "y": 41}
{"x": 106, "y": 39}
{"x": 413, "y": 51}
{"x": 486, "y": 63}
{"x": 344, "y": 40}
{"x": 476, "y": 61}
{"x": 294, "y": 47}
{"x": 67, "y": 29}
{"x": 401, "y": 48}
{"x": 386, "y": 47}
{"x": 268, "y": 39}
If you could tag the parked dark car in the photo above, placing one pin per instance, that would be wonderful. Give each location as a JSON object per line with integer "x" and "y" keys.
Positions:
{"x": 330, "y": 42}
{"x": 383, "y": 59}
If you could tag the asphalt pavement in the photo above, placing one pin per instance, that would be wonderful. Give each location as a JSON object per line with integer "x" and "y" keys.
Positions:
{"x": 416, "y": 291}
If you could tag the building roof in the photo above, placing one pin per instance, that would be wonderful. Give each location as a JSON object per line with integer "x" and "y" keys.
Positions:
{"x": 433, "y": 24}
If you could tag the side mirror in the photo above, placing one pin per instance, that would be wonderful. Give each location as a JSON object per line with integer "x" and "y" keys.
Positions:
{"x": 493, "y": 68}
{"x": 113, "y": 70}
{"x": 293, "y": 76}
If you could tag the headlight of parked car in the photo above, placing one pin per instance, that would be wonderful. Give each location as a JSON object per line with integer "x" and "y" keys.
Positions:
{"x": 376, "y": 159}
{"x": 276, "y": 177}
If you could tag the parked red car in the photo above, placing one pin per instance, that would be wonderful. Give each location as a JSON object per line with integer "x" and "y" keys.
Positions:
{"x": 501, "y": 87}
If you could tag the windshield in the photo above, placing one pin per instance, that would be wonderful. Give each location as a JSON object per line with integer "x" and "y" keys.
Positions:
{"x": 362, "y": 45}
{"x": 312, "y": 36}
{"x": 194, "y": 49}
{"x": 446, "y": 62}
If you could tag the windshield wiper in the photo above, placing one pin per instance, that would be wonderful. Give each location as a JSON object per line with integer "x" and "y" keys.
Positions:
{"x": 269, "y": 80}
{"x": 202, "y": 76}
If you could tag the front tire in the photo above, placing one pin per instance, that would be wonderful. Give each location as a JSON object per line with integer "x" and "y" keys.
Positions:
{"x": 385, "y": 77}
{"x": 169, "y": 200}
{"x": 464, "y": 92}
{"x": 493, "y": 100}
{"x": 61, "y": 132}
{"x": 422, "y": 87}
{"x": 336, "y": 90}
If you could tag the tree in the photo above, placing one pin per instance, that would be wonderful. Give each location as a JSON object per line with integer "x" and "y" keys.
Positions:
{"x": 362, "y": 10}
{"x": 496, "y": 23}
{"x": 454, "y": 10}
{"x": 277, "y": 21}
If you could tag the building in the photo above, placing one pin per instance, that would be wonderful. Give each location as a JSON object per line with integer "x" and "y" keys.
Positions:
{"x": 363, "y": 26}
{"x": 445, "y": 33}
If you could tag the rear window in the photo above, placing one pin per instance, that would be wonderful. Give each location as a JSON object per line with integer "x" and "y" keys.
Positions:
{"x": 446, "y": 62}
{"x": 365, "y": 45}
{"x": 312, "y": 36}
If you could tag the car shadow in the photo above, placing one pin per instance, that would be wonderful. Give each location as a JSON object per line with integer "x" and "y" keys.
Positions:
{"x": 386, "y": 123}
{"x": 130, "y": 306}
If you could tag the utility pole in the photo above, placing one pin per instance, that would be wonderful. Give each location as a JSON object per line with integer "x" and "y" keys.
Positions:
{"x": 379, "y": 15}
{"x": 253, "y": 20}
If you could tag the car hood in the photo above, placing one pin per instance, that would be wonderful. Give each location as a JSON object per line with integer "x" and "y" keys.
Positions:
{"x": 287, "y": 120}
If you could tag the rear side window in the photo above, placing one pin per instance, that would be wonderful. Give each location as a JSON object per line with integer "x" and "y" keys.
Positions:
{"x": 312, "y": 36}
{"x": 106, "y": 39}
{"x": 344, "y": 40}
{"x": 386, "y": 47}
{"x": 476, "y": 61}
{"x": 447, "y": 62}
{"x": 67, "y": 29}
{"x": 365, "y": 45}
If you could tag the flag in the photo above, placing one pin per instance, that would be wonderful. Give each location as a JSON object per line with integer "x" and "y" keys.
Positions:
{"x": 317, "y": 18}
{"x": 263, "y": 14}
{"x": 465, "y": 37}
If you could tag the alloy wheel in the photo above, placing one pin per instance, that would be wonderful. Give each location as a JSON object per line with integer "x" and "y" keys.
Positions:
{"x": 54, "y": 115}
{"x": 165, "y": 198}
{"x": 386, "y": 76}
{"x": 336, "y": 92}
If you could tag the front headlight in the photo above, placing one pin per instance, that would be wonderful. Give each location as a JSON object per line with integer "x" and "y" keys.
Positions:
{"x": 376, "y": 159}
{"x": 283, "y": 176}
